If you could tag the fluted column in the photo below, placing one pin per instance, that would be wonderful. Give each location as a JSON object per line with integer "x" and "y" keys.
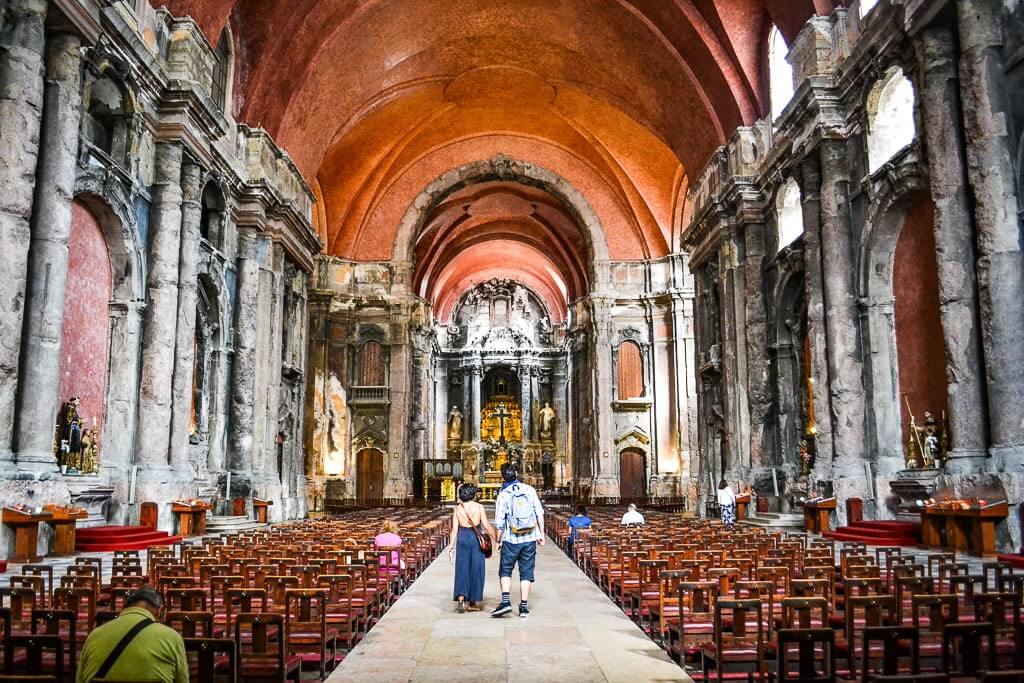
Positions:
{"x": 525, "y": 401}
{"x": 845, "y": 360}
{"x": 160, "y": 323}
{"x": 39, "y": 385}
{"x": 1000, "y": 260}
{"x": 185, "y": 335}
{"x": 243, "y": 381}
{"x": 954, "y": 248}
{"x": 475, "y": 378}
{"x": 21, "y": 103}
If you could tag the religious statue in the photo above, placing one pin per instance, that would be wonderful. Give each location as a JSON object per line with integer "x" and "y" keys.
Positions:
{"x": 546, "y": 419}
{"x": 88, "y": 462}
{"x": 455, "y": 424}
{"x": 928, "y": 442}
{"x": 70, "y": 424}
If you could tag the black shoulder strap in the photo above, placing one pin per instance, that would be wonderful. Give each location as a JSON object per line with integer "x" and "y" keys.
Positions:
{"x": 119, "y": 649}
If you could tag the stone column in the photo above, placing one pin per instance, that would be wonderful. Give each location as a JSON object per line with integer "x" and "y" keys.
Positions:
{"x": 161, "y": 319}
{"x": 243, "y": 381}
{"x": 954, "y": 242}
{"x": 759, "y": 396}
{"x": 476, "y": 407}
{"x": 810, "y": 188}
{"x": 1001, "y": 263}
{"x": 845, "y": 362}
{"x": 525, "y": 401}
{"x": 188, "y": 274}
{"x": 48, "y": 255}
{"x": 467, "y": 403}
{"x": 21, "y": 104}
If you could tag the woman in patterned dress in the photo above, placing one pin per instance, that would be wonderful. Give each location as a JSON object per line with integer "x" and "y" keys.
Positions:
{"x": 727, "y": 504}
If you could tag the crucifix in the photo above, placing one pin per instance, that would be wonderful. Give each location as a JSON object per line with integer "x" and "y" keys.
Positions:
{"x": 502, "y": 415}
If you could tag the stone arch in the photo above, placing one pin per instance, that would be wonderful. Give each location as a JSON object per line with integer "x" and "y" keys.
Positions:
{"x": 504, "y": 168}
{"x": 222, "y": 83}
{"x": 789, "y": 214}
{"x": 891, "y": 123}
{"x": 109, "y": 202}
{"x": 893, "y": 204}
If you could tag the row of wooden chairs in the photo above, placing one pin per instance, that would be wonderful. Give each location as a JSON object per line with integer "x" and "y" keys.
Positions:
{"x": 253, "y": 606}
{"x": 726, "y": 602}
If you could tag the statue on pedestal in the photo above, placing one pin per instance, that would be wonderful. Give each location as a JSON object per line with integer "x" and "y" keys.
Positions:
{"x": 455, "y": 424}
{"x": 70, "y": 431}
{"x": 546, "y": 419}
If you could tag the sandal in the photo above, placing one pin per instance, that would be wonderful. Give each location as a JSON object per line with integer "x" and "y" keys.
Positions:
{"x": 461, "y": 607}
{"x": 472, "y": 607}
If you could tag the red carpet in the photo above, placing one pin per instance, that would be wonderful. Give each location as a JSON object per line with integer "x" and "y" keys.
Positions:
{"x": 107, "y": 538}
{"x": 879, "y": 533}
{"x": 1013, "y": 559}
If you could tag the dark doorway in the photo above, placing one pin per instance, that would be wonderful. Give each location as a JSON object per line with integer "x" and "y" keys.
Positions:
{"x": 369, "y": 475}
{"x": 547, "y": 473}
{"x": 632, "y": 474}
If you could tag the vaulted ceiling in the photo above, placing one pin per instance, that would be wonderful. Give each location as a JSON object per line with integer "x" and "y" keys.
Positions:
{"x": 375, "y": 99}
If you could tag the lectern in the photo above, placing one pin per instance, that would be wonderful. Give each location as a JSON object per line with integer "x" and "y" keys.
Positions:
{"x": 64, "y": 521}
{"x": 742, "y": 505}
{"x": 191, "y": 516}
{"x": 816, "y": 514}
{"x": 25, "y": 523}
{"x": 260, "y": 506}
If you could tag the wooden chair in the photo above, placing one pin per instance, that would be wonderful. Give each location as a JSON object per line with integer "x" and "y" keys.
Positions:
{"x": 262, "y": 658}
{"x": 892, "y": 646}
{"x": 191, "y": 624}
{"x": 968, "y": 649}
{"x": 306, "y": 629}
{"x": 739, "y": 640}
{"x": 60, "y": 623}
{"x": 211, "y": 659}
{"x": 814, "y": 655}
{"x": 863, "y": 612}
{"x": 44, "y": 655}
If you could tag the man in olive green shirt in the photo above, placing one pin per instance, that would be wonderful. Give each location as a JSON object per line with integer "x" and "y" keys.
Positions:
{"x": 157, "y": 653}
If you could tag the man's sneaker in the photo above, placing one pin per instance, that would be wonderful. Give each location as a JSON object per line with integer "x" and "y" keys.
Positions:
{"x": 502, "y": 609}
{"x": 523, "y": 611}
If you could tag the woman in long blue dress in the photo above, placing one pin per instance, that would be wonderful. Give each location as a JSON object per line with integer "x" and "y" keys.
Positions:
{"x": 464, "y": 549}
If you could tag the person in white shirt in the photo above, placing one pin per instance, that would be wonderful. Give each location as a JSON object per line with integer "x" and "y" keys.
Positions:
{"x": 519, "y": 521}
{"x": 727, "y": 504}
{"x": 633, "y": 517}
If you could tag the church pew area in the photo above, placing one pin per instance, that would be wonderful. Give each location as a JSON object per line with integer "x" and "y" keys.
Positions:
{"x": 284, "y": 602}
{"x": 756, "y": 604}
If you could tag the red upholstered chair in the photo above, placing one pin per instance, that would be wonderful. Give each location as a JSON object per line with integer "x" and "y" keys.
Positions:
{"x": 42, "y": 655}
{"x": 862, "y": 612}
{"x": 306, "y": 628}
{"x": 263, "y": 658}
{"x": 805, "y": 655}
{"x": 968, "y": 649}
{"x": 60, "y": 623}
{"x": 739, "y": 640}
{"x": 211, "y": 659}
{"x": 889, "y": 651}
{"x": 191, "y": 624}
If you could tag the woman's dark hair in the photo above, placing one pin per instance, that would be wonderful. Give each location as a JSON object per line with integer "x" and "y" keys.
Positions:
{"x": 581, "y": 510}
{"x": 467, "y": 492}
{"x": 723, "y": 484}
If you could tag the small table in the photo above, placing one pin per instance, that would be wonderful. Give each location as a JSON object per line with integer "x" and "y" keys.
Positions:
{"x": 64, "y": 521}
{"x": 26, "y": 532}
{"x": 816, "y": 515}
{"x": 260, "y": 506}
{"x": 742, "y": 504}
{"x": 191, "y": 516}
{"x": 969, "y": 530}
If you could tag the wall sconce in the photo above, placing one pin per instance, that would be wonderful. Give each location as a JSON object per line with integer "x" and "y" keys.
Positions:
{"x": 605, "y": 454}
{"x": 395, "y": 455}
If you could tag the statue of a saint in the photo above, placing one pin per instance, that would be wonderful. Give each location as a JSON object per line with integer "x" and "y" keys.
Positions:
{"x": 87, "y": 463}
{"x": 455, "y": 424}
{"x": 71, "y": 434}
{"x": 546, "y": 419}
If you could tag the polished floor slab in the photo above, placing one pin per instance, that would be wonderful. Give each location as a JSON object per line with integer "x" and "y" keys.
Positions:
{"x": 574, "y": 633}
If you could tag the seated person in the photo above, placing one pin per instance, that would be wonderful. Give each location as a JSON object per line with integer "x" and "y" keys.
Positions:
{"x": 389, "y": 538}
{"x": 633, "y": 517}
{"x": 580, "y": 520}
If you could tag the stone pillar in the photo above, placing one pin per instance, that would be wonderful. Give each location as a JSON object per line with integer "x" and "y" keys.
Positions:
{"x": 161, "y": 319}
{"x": 243, "y": 381}
{"x": 955, "y": 254}
{"x": 759, "y": 398}
{"x": 48, "y": 255}
{"x": 188, "y": 274}
{"x": 467, "y": 403}
{"x": 21, "y": 104}
{"x": 1001, "y": 262}
{"x": 476, "y": 407}
{"x": 810, "y": 188}
{"x": 732, "y": 461}
{"x": 845, "y": 362}
{"x": 525, "y": 401}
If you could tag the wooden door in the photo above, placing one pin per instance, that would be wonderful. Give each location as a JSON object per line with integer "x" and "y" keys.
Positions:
{"x": 632, "y": 474}
{"x": 369, "y": 475}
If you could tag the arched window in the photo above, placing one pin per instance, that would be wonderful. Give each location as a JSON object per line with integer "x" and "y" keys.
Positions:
{"x": 630, "y": 371}
{"x": 780, "y": 72}
{"x": 866, "y": 6}
{"x": 891, "y": 125}
{"x": 371, "y": 364}
{"x": 789, "y": 214}
{"x": 106, "y": 120}
{"x": 211, "y": 222}
{"x": 220, "y": 90}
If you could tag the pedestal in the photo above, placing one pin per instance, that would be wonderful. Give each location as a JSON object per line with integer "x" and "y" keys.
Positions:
{"x": 26, "y": 533}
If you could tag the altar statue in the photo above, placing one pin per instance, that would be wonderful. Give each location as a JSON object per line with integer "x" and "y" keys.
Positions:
{"x": 546, "y": 419}
{"x": 71, "y": 434}
{"x": 455, "y": 424}
{"x": 87, "y": 462}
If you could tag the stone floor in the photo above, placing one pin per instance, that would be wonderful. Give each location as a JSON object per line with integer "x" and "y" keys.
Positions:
{"x": 574, "y": 633}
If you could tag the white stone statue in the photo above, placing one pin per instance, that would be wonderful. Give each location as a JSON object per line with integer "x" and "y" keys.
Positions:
{"x": 455, "y": 424}
{"x": 546, "y": 419}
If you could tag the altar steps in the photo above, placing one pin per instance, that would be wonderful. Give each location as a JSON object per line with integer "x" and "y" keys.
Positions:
{"x": 110, "y": 538}
{"x": 891, "y": 533}
{"x": 775, "y": 520}
{"x": 229, "y": 524}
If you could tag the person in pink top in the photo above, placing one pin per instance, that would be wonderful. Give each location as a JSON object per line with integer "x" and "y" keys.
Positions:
{"x": 389, "y": 538}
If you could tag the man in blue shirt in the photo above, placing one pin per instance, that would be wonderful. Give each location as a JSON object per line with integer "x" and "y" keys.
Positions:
{"x": 578, "y": 521}
{"x": 519, "y": 520}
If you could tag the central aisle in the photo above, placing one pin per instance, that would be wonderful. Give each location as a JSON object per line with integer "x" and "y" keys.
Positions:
{"x": 574, "y": 633}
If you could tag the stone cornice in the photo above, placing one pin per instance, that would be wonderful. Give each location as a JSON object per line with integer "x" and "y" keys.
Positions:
{"x": 80, "y": 16}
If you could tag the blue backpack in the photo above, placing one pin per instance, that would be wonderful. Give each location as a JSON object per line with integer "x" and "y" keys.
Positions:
{"x": 522, "y": 515}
